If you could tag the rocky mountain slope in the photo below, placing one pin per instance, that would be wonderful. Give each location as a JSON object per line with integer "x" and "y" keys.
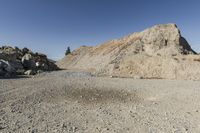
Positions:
{"x": 15, "y": 61}
{"x": 157, "y": 52}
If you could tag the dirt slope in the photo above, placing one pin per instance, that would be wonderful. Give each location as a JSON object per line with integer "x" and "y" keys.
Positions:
{"x": 157, "y": 52}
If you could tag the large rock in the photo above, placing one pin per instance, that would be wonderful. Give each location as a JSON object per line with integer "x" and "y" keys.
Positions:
{"x": 17, "y": 65}
{"x": 28, "y": 62}
{"x": 157, "y": 52}
{"x": 6, "y": 68}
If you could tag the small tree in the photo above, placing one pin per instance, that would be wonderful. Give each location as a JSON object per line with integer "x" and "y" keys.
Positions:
{"x": 68, "y": 51}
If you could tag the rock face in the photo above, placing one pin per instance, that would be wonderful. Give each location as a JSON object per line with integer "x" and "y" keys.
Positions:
{"x": 157, "y": 52}
{"x": 23, "y": 61}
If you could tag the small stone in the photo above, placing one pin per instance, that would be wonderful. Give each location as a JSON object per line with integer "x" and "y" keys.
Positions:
{"x": 1, "y": 127}
{"x": 29, "y": 72}
{"x": 34, "y": 131}
{"x": 74, "y": 129}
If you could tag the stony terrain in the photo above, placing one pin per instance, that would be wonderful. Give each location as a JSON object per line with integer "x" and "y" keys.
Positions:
{"x": 157, "y": 52}
{"x": 68, "y": 102}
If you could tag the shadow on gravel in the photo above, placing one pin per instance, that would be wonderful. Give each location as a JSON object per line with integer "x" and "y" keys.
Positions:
{"x": 15, "y": 77}
{"x": 90, "y": 96}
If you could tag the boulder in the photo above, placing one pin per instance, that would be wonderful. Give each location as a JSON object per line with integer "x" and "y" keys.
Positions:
{"x": 6, "y": 68}
{"x": 3, "y": 64}
{"x": 2, "y": 72}
{"x": 17, "y": 65}
{"x": 26, "y": 51}
{"x": 52, "y": 66}
{"x": 28, "y": 62}
{"x": 42, "y": 66}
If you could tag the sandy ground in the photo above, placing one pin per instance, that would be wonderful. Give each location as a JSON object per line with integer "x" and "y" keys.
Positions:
{"x": 65, "y": 102}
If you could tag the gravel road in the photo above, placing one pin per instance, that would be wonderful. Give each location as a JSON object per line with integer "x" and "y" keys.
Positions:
{"x": 68, "y": 102}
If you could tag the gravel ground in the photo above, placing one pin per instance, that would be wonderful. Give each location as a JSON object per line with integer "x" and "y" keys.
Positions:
{"x": 67, "y": 102}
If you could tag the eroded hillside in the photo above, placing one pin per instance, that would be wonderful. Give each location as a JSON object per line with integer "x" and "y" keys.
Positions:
{"x": 157, "y": 52}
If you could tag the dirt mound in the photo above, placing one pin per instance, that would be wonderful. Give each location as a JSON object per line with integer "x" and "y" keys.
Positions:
{"x": 157, "y": 52}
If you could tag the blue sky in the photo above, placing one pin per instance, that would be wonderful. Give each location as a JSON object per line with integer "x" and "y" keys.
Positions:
{"x": 49, "y": 26}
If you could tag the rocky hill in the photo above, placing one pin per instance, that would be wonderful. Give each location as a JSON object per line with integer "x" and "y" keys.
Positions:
{"x": 157, "y": 52}
{"x": 15, "y": 61}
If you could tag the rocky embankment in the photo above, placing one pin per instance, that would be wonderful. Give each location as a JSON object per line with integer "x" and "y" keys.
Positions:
{"x": 158, "y": 52}
{"x": 15, "y": 61}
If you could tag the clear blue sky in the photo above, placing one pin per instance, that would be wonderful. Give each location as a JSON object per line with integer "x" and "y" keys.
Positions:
{"x": 49, "y": 26}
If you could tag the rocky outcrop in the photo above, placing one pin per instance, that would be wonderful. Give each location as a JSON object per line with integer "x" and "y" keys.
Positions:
{"x": 157, "y": 52}
{"x": 15, "y": 61}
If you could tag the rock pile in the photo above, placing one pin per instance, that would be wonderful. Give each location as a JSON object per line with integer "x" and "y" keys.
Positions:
{"x": 15, "y": 61}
